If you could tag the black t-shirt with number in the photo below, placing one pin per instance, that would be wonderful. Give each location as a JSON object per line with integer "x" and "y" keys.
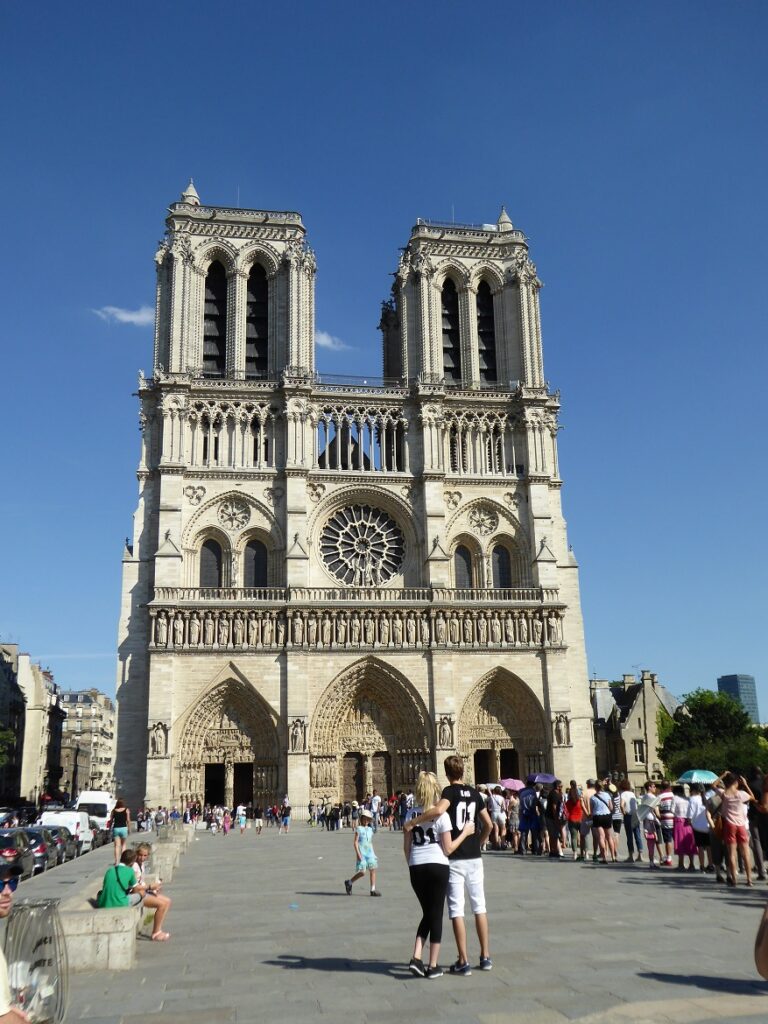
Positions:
{"x": 464, "y": 804}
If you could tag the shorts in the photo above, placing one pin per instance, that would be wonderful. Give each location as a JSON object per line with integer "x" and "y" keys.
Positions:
{"x": 120, "y": 833}
{"x": 258, "y": 823}
{"x": 585, "y": 826}
{"x": 734, "y": 834}
{"x": 667, "y": 833}
{"x": 466, "y": 873}
{"x": 286, "y": 820}
{"x": 368, "y": 863}
{"x": 701, "y": 839}
{"x": 602, "y": 821}
{"x": 500, "y": 820}
{"x": 134, "y": 899}
{"x": 617, "y": 823}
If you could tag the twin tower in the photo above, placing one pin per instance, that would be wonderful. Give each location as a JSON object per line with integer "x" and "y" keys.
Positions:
{"x": 334, "y": 582}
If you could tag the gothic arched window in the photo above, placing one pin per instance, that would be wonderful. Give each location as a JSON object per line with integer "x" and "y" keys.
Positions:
{"x": 255, "y": 564}
{"x": 215, "y": 322}
{"x": 486, "y": 333}
{"x": 256, "y": 324}
{"x": 449, "y": 299}
{"x": 462, "y": 568}
{"x": 210, "y": 564}
{"x": 501, "y": 566}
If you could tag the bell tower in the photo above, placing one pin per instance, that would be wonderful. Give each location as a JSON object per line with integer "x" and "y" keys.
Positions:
{"x": 464, "y": 308}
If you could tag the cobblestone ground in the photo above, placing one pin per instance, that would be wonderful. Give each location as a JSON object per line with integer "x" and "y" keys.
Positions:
{"x": 261, "y": 928}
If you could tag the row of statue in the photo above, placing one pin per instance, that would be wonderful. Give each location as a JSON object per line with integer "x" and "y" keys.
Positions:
{"x": 326, "y": 770}
{"x": 259, "y": 629}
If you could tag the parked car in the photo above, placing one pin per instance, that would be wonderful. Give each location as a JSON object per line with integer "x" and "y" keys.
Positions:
{"x": 66, "y": 847}
{"x": 75, "y": 821}
{"x": 100, "y": 835}
{"x": 15, "y": 848}
{"x": 96, "y": 803}
{"x": 43, "y": 847}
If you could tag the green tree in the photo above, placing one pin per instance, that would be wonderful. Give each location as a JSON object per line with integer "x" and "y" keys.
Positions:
{"x": 7, "y": 740}
{"x": 711, "y": 730}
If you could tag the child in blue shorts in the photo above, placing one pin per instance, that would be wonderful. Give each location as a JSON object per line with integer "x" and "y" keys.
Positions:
{"x": 366, "y": 858}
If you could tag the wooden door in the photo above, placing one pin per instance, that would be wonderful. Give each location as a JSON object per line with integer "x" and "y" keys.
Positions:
{"x": 352, "y": 777}
{"x": 381, "y": 765}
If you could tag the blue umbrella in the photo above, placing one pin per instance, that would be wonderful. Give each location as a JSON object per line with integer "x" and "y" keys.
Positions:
{"x": 698, "y": 775}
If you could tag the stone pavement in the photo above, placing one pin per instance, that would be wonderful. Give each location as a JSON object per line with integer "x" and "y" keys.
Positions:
{"x": 261, "y": 928}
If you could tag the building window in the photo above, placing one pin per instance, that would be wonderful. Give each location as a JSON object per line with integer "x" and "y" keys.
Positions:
{"x": 256, "y": 324}
{"x": 451, "y": 338}
{"x": 486, "y": 333}
{"x": 210, "y": 564}
{"x": 215, "y": 321}
{"x": 501, "y": 565}
{"x": 462, "y": 568}
{"x": 639, "y": 746}
{"x": 255, "y": 567}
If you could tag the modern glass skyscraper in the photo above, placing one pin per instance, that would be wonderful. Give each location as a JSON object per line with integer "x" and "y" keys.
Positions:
{"x": 742, "y": 689}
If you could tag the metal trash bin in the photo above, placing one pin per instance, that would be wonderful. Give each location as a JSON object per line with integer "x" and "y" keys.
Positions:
{"x": 38, "y": 971}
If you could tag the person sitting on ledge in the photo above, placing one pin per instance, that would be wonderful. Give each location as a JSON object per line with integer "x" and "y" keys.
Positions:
{"x": 153, "y": 899}
{"x": 118, "y": 887}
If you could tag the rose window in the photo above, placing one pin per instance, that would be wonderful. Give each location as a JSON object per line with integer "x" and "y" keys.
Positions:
{"x": 362, "y": 546}
{"x": 234, "y": 513}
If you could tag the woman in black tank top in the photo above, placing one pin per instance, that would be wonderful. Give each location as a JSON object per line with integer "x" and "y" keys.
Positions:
{"x": 121, "y": 820}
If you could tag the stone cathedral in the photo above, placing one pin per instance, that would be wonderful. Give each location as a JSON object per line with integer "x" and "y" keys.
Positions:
{"x": 335, "y": 582}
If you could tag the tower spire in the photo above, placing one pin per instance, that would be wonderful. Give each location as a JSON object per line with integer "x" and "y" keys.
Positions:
{"x": 189, "y": 195}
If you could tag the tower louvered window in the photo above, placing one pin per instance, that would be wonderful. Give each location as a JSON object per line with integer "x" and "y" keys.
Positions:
{"x": 210, "y": 564}
{"x": 451, "y": 338}
{"x": 215, "y": 322}
{"x": 256, "y": 324}
{"x": 486, "y": 333}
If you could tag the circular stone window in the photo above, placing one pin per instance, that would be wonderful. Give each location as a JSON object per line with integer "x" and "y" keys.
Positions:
{"x": 362, "y": 546}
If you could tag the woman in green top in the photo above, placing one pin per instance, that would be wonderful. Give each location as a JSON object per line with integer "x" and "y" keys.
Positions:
{"x": 118, "y": 883}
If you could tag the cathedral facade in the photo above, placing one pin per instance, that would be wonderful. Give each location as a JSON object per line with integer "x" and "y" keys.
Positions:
{"x": 334, "y": 582}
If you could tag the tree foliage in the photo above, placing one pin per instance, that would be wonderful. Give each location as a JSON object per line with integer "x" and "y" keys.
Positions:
{"x": 712, "y": 731}
{"x": 7, "y": 740}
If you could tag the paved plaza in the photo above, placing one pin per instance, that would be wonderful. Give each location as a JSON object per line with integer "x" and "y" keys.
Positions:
{"x": 261, "y": 929}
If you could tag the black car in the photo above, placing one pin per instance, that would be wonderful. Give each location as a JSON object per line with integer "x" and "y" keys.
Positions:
{"x": 43, "y": 847}
{"x": 15, "y": 848}
{"x": 65, "y": 843}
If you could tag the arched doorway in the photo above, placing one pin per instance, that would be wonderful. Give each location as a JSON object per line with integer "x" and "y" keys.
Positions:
{"x": 370, "y": 730}
{"x": 229, "y": 750}
{"x": 502, "y": 729}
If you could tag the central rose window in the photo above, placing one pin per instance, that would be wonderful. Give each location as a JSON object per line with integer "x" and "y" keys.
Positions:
{"x": 362, "y": 546}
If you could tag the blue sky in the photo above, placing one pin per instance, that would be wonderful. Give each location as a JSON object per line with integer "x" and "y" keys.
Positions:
{"x": 627, "y": 140}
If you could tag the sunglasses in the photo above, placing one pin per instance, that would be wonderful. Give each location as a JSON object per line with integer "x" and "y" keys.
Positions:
{"x": 12, "y": 883}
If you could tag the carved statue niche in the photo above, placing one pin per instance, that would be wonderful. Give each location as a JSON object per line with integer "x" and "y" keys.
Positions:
{"x": 445, "y": 731}
{"x": 538, "y": 630}
{"x": 562, "y": 731}
{"x": 178, "y": 631}
{"x": 194, "y": 631}
{"x": 161, "y": 630}
{"x": 254, "y": 630}
{"x": 298, "y": 736}
{"x": 158, "y": 740}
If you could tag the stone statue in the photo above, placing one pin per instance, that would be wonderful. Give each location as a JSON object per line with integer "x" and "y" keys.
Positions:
{"x": 178, "y": 631}
{"x": 355, "y": 629}
{"x": 208, "y": 631}
{"x": 523, "y": 629}
{"x": 384, "y": 631}
{"x": 509, "y": 629}
{"x": 253, "y": 630}
{"x": 424, "y": 630}
{"x": 158, "y": 740}
{"x": 280, "y": 630}
{"x": 325, "y": 631}
{"x": 445, "y": 732}
{"x": 440, "y": 631}
{"x": 238, "y": 632}
{"x": 410, "y": 630}
{"x": 559, "y": 731}
{"x": 297, "y": 735}
{"x": 397, "y": 631}
{"x": 538, "y": 630}
{"x": 223, "y": 631}
{"x": 312, "y": 631}
{"x": 482, "y": 630}
{"x": 341, "y": 631}
{"x": 453, "y": 630}
{"x": 369, "y": 631}
{"x": 553, "y": 624}
{"x": 194, "y": 631}
{"x": 298, "y": 630}
{"x": 495, "y": 630}
{"x": 266, "y": 632}
{"x": 467, "y": 630}
{"x": 161, "y": 631}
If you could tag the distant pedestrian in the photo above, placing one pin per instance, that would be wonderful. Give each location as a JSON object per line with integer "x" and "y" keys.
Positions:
{"x": 364, "y": 853}
{"x": 121, "y": 822}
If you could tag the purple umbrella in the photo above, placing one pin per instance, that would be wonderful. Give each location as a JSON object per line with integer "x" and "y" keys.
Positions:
{"x": 515, "y": 785}
{"x": 543, "y": 777}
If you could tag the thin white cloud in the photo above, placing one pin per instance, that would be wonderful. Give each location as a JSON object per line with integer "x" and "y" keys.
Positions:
{"x": 144, "y": 316}
{"x": 325, "y": 340}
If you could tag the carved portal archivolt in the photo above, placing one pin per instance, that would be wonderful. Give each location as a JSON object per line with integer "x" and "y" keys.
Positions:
{"x": 370, "y": 718}
{"x": 230, "y": 725}
{"x": 502, "y": 713}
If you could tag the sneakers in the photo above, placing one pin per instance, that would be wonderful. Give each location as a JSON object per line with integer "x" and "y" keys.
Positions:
{"x": 486, "y": 964}
{"x": 417, "y": 967}
{"x": 375, "y": 892}
{"x": 461, "y": 968}
{"x": 433, "y": 972}
{"x": 348, "y": 886}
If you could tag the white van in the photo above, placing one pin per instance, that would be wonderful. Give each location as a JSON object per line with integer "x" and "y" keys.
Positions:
{"x": 77, "y": 823}
{"x": 97, "y": 804}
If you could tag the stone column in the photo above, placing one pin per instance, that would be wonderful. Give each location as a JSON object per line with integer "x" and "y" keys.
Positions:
{"x": 229, "y": 782}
